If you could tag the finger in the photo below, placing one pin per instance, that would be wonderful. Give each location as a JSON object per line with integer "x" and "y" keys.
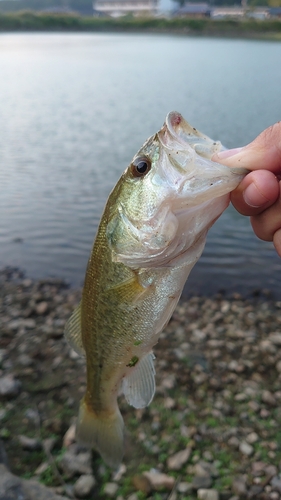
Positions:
{"x": 263, "y": 153}
{"x": 277, "y": 241}
{"x": 268, "y": 222}
{"x": 256, "y": 192}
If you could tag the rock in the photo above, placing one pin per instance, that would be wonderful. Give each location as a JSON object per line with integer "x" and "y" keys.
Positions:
{"x": 274, "y": 495}
{"x": 14, "y": 488}
{"x": 184, "y": 487}
{"x": 49, "y": 444}
{"x": 175, "y": 462}
{"x": 84, "y": 485}
{"x": 233, "y": 442}
{"x": 201, "y": 482}
{"x": 254, "y": 491}
{"x": 9, "y": 386}
{"x": 141, "y": 483}
{"x": 268, "y": 398}
{"x": 26, "y": 283}
{"x": 3, "y": 355}
{"x": 258, "y": 468}
{"x": 25, "y": 360}
{"x": 246, "y": 448}
{"x": 276, "y": 483}
{"x": 3, "y": 455}
{"x": 239, "y": 486}
{"x": 42, "y": 308}
{"x": 159, "y": 480}
{"x": 169, "y": 403}
{"x": 202, "y": 469}
{"x": 41, "y": 469}
{"x": 119, "y": 473}
{"x": 278, "y": 366}
{"x": 205, "y": 494}
{"x": 110, "y": 489}
{"x": 275, "y": 338}
{"x": 76, "y": 464}
{"x": 252, "y": 438}
{"x": 30, "y": 444}
{"x": 69, "y": 437}
{"x": 271, "y": 470}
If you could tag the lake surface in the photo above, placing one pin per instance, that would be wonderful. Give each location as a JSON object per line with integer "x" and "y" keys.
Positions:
{"x": 74, "y": 109}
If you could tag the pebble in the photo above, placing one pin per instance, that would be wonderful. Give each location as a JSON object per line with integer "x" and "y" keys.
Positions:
{"x": 30, "y": 444}
{"x": 201, "y": 482}
{"x": 246, "y": 448}
{"x": 239, "y": 486}
{"x": 72, "y": 464}
{"x": 110, "y": 489}
{"x": 69, "y": 437}
{"x": 14, "y": 488}
{"x": 3, "y": 355}
{"x": 122, "y": 469}
{"x": 9, "y": 386}
{"x": 84, "y": 485}
{"x": 276, "y": 483}
{"x": 41, "y": 469}
{"x": 278, "y": 366}
{"x": 49, "y": 444}
{"x": 42, "y": 308}
{"x": 184, "y": 487}
{"x": 275, "y": 338}
{"x": 252, "y": 438}
{"x": 175, "y": 462}
{"x": 206, "y": 494}
{"x": 159, "y": 480}
{"x": 142, "y": 483}
{"x": 268, "y": 398}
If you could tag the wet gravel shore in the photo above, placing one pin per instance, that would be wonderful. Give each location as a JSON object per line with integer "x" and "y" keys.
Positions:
{"x": 213, "y": 430}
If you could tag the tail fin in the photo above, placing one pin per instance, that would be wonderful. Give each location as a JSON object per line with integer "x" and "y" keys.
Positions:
{"x": 104, "y": 434}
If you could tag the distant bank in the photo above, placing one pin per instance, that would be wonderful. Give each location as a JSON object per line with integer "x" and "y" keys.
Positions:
{"x": 245, "y": 28}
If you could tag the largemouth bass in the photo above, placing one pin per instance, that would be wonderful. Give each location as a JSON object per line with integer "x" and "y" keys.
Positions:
{"x": 152, "y": 232}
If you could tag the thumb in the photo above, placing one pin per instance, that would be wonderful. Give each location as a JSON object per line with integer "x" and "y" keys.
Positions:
{"x": 263, "y": 153}
{"x": 260, "y": 188}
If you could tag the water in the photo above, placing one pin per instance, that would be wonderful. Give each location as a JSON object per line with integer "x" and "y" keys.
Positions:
{"x": 76, "y": 107}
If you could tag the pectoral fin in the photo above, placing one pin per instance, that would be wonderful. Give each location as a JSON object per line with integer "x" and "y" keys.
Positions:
{"x": 139, "y": 385}
{"x": 129, "y": 291}
{"x": 72, "y": 331}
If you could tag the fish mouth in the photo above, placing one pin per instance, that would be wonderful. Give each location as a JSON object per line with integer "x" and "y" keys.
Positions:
{"x": 178, "y": 133}
{"x": 183, "y": 143}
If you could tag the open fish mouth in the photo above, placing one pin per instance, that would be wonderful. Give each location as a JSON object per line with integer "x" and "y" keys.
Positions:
{"x": 178, "y": 134}
{"x": 176, "y": 131}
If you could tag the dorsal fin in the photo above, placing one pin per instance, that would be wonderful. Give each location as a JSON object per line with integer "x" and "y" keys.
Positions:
{"x": 72, "y": 331}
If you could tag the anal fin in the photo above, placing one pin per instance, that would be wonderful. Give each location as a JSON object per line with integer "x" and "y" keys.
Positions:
{"x": 139, "y": 386}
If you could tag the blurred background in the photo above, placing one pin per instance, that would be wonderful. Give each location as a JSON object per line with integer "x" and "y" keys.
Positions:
{"x": 75, "y": 108}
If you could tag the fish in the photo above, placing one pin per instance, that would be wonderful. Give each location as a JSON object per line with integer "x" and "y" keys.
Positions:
{"x": 151, "y": 234}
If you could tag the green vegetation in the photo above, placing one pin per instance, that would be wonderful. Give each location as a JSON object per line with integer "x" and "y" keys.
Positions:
{"x": 32, "y": 21}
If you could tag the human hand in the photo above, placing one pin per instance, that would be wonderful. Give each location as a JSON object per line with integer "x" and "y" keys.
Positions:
{"x": 259, "y": 193}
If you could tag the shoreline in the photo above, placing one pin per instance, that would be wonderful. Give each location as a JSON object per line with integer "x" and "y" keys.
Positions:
{"x": 214, "y": 423}
{"x": 31, "y": 21}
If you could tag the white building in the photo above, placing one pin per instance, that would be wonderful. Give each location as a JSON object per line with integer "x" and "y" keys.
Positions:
{"x": 116, "y": 8}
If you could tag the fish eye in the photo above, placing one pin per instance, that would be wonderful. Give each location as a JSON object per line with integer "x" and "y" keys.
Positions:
{"x": 141, "y": 166}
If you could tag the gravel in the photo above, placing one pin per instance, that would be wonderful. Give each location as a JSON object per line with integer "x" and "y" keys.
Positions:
{"x": 211, "y": 432}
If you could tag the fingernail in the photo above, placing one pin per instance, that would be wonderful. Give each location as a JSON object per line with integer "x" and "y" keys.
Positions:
{"x": 253, "y": 197}
{"x": 228, "y": 152}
